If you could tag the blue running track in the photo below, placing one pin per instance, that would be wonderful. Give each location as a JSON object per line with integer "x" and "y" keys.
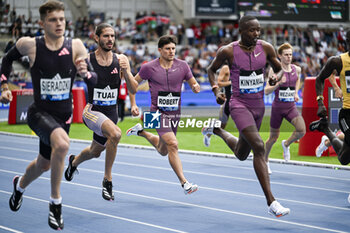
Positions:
{"x": 149, "y": 198}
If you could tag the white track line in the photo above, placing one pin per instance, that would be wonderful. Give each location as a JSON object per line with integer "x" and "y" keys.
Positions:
{"x": 187, "y": 161}
{"x": 201, "y": 187}
{"x": 10, "y": 229}
{"x": 185, "y": 204}
{"x": 201, "y": 173}
{"x": 190, "y": 152}
{"x": 102, "y": 214}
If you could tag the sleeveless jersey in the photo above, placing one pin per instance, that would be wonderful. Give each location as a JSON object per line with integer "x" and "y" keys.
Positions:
{"x": 286, "y": 91}
{"x": 53, "y": 73}
{"x": 247, "y": 71}
{"x": 345, "y": 79}
{"x": 103, "y": 95}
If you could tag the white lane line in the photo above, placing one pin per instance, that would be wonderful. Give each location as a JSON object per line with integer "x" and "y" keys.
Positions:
{"x": 205, "y": 174}
{"x": 218, "y": 190}
{"x": 201, "y": 187}
{"x": 193, "y": 153}
{"x": 10, "y": 229}
{"x": 185, "y": 204}
{"x": 194, "y": 162}
{"x": 103, "y": 214}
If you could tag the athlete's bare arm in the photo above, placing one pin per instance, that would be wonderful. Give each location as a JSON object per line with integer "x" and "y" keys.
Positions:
{"x": 134, "y": 109}
{"x": 126, "y": 71}
{"x": 24, "y": 47}
{"x": 337, "y": 90}
{"x": 273, "y": 61}
{"x": 225, "y": 53}
{"x": 194, "y": 85}
{"x": 79, "y": 56}
{"x": 271, "y": 88}
{"x": 271, "y": 57}
{"x": 224, "y": 76}
{"x": 297, "y": 84}
{"x": 333, "y": 64}
{"x": 133, "y": 83}
{"x": 27, "y": 47}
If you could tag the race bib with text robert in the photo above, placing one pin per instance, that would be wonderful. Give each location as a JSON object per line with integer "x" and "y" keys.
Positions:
{"x": 168, "y": 101}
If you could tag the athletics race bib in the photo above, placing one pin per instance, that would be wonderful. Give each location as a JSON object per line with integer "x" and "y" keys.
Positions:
{"x": 168, "y": 101}
{"x": 347, "y": 80}
{"x": 251, "y": 81}
{"x": 55, "y": 89}
{"x": 286, "y": 94}
{"x": 105, "y": 97}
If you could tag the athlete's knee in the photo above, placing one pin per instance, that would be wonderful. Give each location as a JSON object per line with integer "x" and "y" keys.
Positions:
{"x": 242, "y": 156}
{"x": 258, "y": 148}
{"x": 163, "y": 152}
{"x": 96, "y": 155}
{"x": 95, "y": 152}
{"x": 344, "y": 159}
{"x": 272, "y": 139}
{"x": 43, "y": 164}
{"x": 301, "y": 134}
{"x": 62, "y": 147}
{"x": 172, "y": 145}
{"x": 60, "y": 144}
{"x": 115, "y": 137}
{"x": 45, "y": 167}
{"x": 162, "y": 149}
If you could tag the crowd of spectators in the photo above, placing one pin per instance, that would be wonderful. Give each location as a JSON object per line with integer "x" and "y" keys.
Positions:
{"x": 197, "y": 43}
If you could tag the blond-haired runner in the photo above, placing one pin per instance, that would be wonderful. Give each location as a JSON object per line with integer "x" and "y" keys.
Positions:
{"x": 283, "y": 106}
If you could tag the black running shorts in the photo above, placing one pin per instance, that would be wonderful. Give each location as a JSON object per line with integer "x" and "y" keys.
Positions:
{"x": 43, "y": 123}
{"x": 344, "y": 123}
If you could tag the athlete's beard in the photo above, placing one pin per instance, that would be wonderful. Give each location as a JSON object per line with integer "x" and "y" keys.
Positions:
{"x": 104, "y": 48}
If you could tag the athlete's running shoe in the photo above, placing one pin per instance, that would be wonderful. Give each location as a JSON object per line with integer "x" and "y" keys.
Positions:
{"x": 189, "y": 187}
{"x": 286, "y": 152}
{"x": 322, "y": 147}
{"x": 207, "y": 132}
{"x": 71, "y": 170}
{"x": 206, "y": 140}
{"x": 134, "y": 130}
{"x": 319, "y": 125}
{"x": 277, "y": 209}
{"x": 16, "y": 197}
{"x": 107, "y": 190}
{"x": 268, "y": 168}
{"x": 55, "y": 217}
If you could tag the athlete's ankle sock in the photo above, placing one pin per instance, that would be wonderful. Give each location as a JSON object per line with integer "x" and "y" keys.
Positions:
{"x": 18, "y": 188}
{"x": 56, "y": 201}
{"x": 138, "y": 133}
